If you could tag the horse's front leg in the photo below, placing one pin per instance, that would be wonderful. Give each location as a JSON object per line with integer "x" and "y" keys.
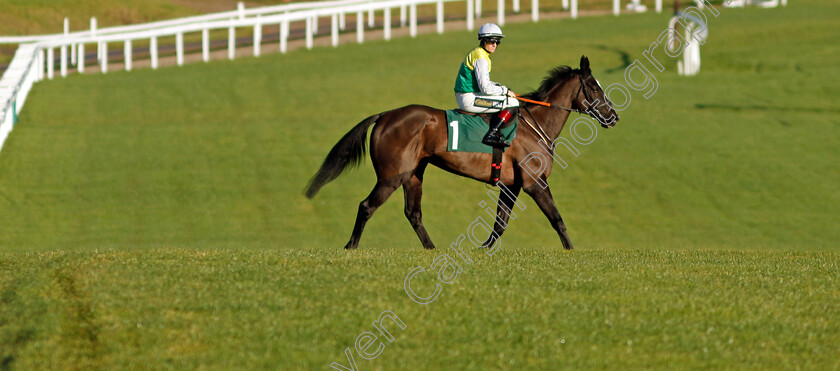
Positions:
{"x": 542, "y": 196}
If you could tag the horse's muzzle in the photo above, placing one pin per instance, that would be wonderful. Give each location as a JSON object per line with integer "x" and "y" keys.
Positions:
{"x": 609, "y": 122}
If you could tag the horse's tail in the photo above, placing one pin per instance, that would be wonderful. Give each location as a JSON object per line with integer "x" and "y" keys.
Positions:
{"x": 348, "y": 151}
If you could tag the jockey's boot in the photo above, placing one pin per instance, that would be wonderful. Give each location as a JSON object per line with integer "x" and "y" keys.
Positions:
{"x": 494, "y": 137}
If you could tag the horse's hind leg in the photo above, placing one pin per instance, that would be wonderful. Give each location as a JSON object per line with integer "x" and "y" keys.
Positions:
{"x": 413, "y": 193}
{"x": 377, "y": 197}
{"x": 542, "y": 196}
{"x": 503, "y": 212}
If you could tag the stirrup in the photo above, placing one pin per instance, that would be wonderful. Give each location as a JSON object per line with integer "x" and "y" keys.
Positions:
{"x": 494, "y": 139}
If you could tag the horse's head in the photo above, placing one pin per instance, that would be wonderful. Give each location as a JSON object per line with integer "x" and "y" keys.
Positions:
{"x": 592, "y": 99}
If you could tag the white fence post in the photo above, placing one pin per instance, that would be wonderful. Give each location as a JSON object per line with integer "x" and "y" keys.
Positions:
{"x": 360, "y": 27}
{"x": 179, "y": 48}
{"x": 73, "y": 53}
{"x": 413, "y": 20}
{"x": 153, "y": 51}
{"x": 659, "y": 6}
{"x": 205, "y": 45}
{"x": 64, "y": 48}
{"x": 258, "y": 38}
{"x": 439, "y": 10}
{"x": 93, "y": 26}
{"x": 535, "y": 10}
{"x": 81, "y": 61}
{"x": 574, "y": 9}
{"x": 63, "y": 62}
{"x": 565, "y": 4}
{"x": 334, "y": 29}
{"x": 403, "y": 15}
{"x": 516, "y": 6}
{"x": 93, "y": 33}
{"x": 616, "y": 7}
{"x": 387, "y": 24}
{"x": 127, "y": 54}
{"x": 342, "y": 20}
{"x": 231, "y": 42}
{"x": 284, "y": 35}
{"x": 50, "y": 64}
{"x": 40, "y": 64}
{"x": 72, "y": 46}
{"x": 470, "y": 15}
{"x": 309, "y": 32}
{"x": 371, "y": 20}
{"x": 500, "y": 10}
{"x": 103, "y": 63}
{"x": 478, "y": 8}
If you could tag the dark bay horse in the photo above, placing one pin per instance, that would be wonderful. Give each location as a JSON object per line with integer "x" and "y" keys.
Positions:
{"x": 405, "y": 140}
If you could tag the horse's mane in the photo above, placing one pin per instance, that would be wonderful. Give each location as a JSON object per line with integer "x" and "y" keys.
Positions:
{"x": 555, "y": 76}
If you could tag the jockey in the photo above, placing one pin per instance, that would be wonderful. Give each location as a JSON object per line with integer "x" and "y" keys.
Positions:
{"x": 475, "y": 92}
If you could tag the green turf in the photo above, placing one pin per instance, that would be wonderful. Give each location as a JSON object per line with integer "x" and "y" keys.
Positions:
{"x": 538, "y": 308}
{"x": 154, "y": 219}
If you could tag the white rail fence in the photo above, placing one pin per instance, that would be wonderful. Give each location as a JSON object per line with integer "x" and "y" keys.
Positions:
{"x": 15, "y": 85}
{"x": 35, "y": 59}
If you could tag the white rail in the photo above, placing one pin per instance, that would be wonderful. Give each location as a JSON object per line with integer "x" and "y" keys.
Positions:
{"x": 15, "y": 85}
{"x": 36, "y": 56}
{"x": 240, "y": 13}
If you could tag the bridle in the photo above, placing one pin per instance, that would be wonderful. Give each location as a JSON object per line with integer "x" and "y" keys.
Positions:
{"x": 586, "y": 95}
{"x": 536, "y": 126}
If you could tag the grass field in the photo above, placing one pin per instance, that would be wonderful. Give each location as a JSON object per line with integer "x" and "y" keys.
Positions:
{"x": 154, "y": 219}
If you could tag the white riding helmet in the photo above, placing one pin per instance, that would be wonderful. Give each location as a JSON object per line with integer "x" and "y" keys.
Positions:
{"x": 490, "y": 30}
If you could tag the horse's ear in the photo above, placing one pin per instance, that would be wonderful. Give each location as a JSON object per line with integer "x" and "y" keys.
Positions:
{"x": 584, "y": 64}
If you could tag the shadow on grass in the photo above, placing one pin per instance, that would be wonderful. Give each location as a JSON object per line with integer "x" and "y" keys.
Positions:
{"x": 625, "y": 58}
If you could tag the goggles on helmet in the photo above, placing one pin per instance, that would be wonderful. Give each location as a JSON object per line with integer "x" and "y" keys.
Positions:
{"x": 493, "y": 40}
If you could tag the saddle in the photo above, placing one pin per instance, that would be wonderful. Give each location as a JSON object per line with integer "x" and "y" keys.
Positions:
{"x": 496, "y": 162}
{"x": 487, "y": 116}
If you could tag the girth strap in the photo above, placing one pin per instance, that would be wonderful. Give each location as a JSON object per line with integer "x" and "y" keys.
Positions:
{"x": 496, "y": 165}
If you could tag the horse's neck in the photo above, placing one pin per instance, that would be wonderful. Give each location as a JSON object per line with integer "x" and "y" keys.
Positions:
{"x": 553, "y": 118}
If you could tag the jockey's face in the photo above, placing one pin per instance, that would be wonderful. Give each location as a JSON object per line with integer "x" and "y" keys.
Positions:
{"x": 491, "y": 44}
